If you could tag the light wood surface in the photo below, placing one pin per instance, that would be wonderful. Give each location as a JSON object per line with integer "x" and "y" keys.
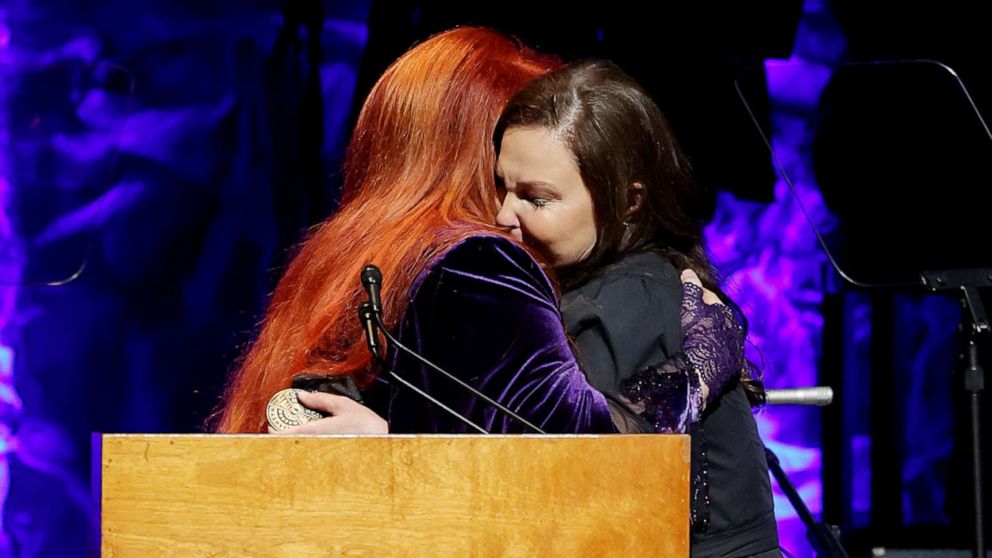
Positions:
{"x": 394, "y": 496}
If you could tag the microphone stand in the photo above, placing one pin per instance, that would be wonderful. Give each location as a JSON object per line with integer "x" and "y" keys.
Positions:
{"x": 974, "y": 324}
{"x": 823, "y": 537}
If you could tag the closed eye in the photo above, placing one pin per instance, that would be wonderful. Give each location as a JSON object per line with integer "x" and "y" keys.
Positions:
{"x": 536, "y": 201}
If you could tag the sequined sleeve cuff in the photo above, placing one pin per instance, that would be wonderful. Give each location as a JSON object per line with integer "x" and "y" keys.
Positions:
{"x": 668, "y": 396}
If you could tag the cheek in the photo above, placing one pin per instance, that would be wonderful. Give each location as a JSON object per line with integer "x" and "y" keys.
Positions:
{"x": 579, "y": 221}
{"x": 539, "y": 231}
{"x": 531, "y": 226}
{"x": 590, "y": 228}
{"x": 586, "y": 215}
{"x": 580, "y": 235}
{"x": 586, "y": 237}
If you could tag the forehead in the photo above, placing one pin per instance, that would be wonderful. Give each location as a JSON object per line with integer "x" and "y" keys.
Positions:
{"x": 535, "y": 154}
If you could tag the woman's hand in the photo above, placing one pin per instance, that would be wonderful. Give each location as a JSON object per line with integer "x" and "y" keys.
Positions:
{"x": 347, "y": 416}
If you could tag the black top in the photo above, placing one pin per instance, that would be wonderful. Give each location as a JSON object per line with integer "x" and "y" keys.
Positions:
{"x": 628, "y": 318}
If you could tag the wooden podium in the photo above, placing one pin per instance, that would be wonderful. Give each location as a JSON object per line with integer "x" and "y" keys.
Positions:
{"x": 392, "y": 496}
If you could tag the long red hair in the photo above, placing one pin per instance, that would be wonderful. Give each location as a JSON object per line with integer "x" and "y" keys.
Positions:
{"x": 419, "y": 168}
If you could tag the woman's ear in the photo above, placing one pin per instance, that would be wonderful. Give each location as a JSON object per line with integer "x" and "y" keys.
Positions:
{"x": 635, "y": 199}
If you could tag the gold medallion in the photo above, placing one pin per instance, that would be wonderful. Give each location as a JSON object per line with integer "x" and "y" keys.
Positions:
{"x": 284, "y": 411}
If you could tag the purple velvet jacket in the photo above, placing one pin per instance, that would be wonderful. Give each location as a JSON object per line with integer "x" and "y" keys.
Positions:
{"x": 486, "y": 312}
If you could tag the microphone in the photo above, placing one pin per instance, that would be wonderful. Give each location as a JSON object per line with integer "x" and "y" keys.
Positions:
{"x": 820, "y": 396}
{"x": 372, "y": 281}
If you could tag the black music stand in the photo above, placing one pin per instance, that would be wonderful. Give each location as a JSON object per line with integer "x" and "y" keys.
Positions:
{"x": 900, "y": 156}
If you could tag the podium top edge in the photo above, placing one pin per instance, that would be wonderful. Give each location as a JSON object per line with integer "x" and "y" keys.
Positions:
{"x": 386, "y": 436}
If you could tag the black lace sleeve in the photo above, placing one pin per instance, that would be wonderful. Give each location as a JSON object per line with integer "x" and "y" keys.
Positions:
{"x": 670, "y": 396}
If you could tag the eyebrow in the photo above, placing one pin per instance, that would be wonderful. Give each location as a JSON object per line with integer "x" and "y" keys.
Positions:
{"x": 542, "y": 185}
{"x": 535, "y": 184}
{"x": 539, "y": 187}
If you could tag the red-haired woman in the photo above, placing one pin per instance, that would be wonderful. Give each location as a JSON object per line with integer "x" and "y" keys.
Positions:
{"x": 417, "y": 187}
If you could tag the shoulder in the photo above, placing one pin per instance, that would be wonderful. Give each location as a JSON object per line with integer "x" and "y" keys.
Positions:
{"x": 648, "y": 268}
{"x": 642, "y": 279}
{"x": 487, "y": 259}
{"x": 487, "y": 251}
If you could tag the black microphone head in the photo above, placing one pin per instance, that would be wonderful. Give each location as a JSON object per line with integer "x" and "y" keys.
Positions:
{"x": 372, "y": 282}
{"x": 371, "y": 274}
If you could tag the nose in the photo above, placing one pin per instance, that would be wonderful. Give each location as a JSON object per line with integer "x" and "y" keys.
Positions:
{"x": 507, "y": 217}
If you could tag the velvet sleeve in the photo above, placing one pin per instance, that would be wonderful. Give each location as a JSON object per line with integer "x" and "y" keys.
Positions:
{"x": 485, "y": 312}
